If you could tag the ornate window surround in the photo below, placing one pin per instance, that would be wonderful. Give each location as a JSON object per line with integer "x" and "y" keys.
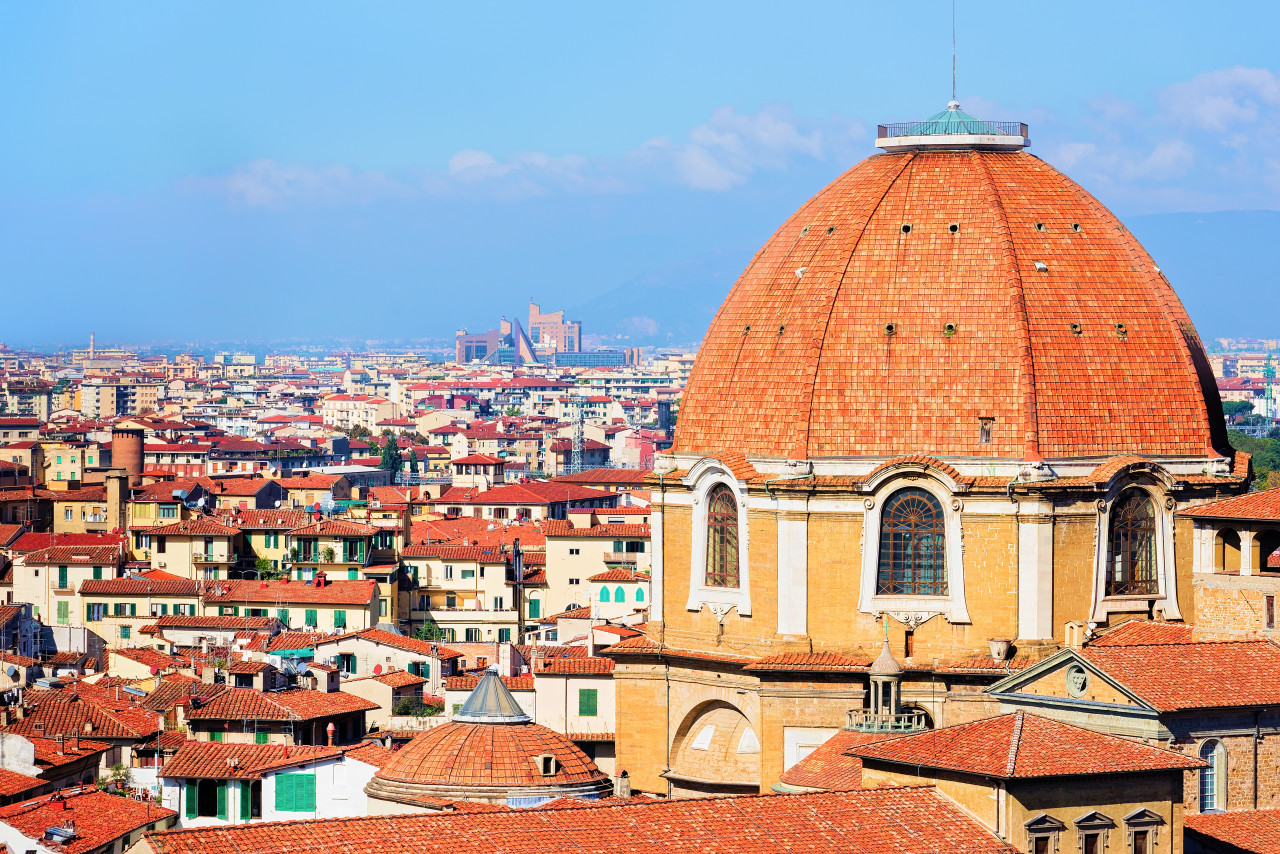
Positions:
{"x": 909, "y": 609}
{"x": 703, "y": 476}
{"x": 1157, "y": 483}
{"x": 1044, "y": 826}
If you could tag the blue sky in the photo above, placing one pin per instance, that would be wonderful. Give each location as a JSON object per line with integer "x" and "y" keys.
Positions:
{"x": 392, "y": 171}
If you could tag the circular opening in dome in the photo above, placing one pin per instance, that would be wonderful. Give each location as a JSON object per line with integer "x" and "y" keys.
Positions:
{"x": 890, "y": 328}
{"x": 1076, "y": 329}
{"x": 1075, "y": 226}
{"x": 1121, "y": 329}
{"x": 1040, "y": 226}
{"x": 954, "y": 227}
{"x": 948, "y": 329}
{"x": 804, "y": 230}
{"x": 906, "y": 228}
{"x": 831, "y": 229}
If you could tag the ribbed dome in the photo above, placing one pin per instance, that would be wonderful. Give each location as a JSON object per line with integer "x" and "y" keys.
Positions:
{"x": 464, "y": 754}
{"x": 926, "y": 290}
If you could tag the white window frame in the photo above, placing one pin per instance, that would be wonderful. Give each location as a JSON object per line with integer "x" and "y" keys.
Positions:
{"x": 1156, "y": 486}
{"x": 705, "y": 475}
{"x": 908, "y": 609}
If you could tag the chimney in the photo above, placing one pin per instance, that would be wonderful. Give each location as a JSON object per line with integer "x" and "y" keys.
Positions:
{"x": 61, "y": 741}
{"x": 330, "y": 730}
{"x": 504, "y": 660}
{"x": 622, "y": 785}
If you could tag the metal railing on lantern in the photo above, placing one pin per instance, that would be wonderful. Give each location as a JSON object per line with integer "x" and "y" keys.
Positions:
{"x": 941, "y": 128}
{"x": 901, "y": 722}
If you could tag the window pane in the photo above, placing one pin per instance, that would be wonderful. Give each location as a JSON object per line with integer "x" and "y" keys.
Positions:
{"x": 722, "y": 538}
{"x": 912, "y": 545}
{"x": 1131, "y": 546}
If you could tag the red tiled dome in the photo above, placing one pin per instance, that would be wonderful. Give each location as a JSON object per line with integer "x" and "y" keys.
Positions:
{"x": 490, "y": 755}
{"x": 799, "y": 362}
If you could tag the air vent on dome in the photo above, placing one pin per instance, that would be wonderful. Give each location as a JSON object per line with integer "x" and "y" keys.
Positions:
{"x": 1040, "y": 226}
{"x": 954, "y": 227}
{"x": 890, "y": 328}
{"x": 1075, "y": 226}
{"x": 1077, "y": 329}
{"x": 948, "y": 329}
{"x": 1042, "y": 267}
{"x": 906, "y": 228}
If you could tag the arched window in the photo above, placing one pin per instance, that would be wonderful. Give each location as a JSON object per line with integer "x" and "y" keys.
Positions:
{"x": 604, "y": 593}
{"x": 912, "y": 545}
{"x": 619, "y": 595}
{"x": 722, "y": 538}
{"x": 1213, "y": 778}
{"x": 1131, "y": 546}
{"x": 639, "y": 594}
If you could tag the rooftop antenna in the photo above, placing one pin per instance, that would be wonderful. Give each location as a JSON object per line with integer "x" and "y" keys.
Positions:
{"x": 953, "y": 51}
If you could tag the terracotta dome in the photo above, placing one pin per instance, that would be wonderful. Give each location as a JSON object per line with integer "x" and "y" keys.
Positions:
{"x": 930, "y": 288}
{"x": 490, "y": 751}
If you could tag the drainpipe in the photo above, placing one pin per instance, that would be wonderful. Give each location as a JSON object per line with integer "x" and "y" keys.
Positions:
{"x": 808, "y": 473}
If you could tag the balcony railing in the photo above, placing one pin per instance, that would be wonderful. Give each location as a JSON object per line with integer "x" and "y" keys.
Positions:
{"x": 621, "y": 557}
{"x": 976, "y": 126}
{"x": 207, "y": 557}
{"x": 903, "y": 722}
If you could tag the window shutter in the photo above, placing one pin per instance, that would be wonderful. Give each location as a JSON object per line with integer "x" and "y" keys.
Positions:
{"x": 535, "y": 609}
{"x": 587, "y": 702}
{"x": 64, "y": 612}
{"x": 619, "y": 595}
{"x": 284, "y": 793}
{"x": 306, "y": 793}
{"x": 235, "y": 611}
{"x": 222, "y": 799}
{"x": 133, "y": 609}
{"x": 282, "y": 614}
{"x": 353, "y": 575}
{"x": 215, "y": 735}
{"x": 261, "y": 737}
{"x": 339, "y": 619}
{"x": 311, "y": 617}
{"x": 191, "y": 799}
{"x": 97, "y": 573}
{"x": 246, "y": 805}
{"x": 62, "y": 578}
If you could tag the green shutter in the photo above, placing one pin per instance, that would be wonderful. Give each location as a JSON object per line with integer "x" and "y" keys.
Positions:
{"x": 282, "y": 614}
{"x": 246, "y": 800}
{"x": 535, "y": 609}
{"x": 215, "y": 735}
{"x": 619, "y": 595}
{"x": 62, "y": 578}
{"x": 284, "y": 793}
{"x": 222, "y": 799}
{"x": 124, "y": 633}
{"x": 296, "y": 792}
{"x": 133, "y": 609}
{"x": 64, "y": 612}
{"x": 306, "y": 799}
{"x": 311, "y": 617}
{"x": 164, "y": 609}
{"x": 191, "y": 799}
{"x": 235, "y": 611}
{"x": 339, "y": 619}
{"x": 353, "y": 575}
{"x": 261, "y": 737}
{"x": 587, "y": 702}
{"x": 97, "y": 573}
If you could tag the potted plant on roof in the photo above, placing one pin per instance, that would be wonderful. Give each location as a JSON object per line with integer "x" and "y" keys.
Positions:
{"x": 328, "y": 554}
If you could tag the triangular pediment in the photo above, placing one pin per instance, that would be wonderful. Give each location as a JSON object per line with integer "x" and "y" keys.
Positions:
{"x": 1044, "y": 823}
{"x": 1094, "y": 821}
{"x": 1144, "y": 817}
{"x": 1067, "y": 678}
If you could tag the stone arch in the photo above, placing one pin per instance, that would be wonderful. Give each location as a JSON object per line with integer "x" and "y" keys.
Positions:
{"x": 928, "y": 716}
{"x": 716, "y": 748}
{"x": 1226, "y": 550}
{"x": 1266, "y": 543}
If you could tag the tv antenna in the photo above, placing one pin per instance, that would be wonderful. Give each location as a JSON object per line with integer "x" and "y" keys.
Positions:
{"x": 953, "y": 50}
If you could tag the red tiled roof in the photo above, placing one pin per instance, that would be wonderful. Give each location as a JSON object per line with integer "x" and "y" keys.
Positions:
{"x": 227, "y": 623}
{"x": 96, "y": 555}
{"x": 812, "y": 661}
{"x": 262, "y": 520}
{"x": 201, "y": 527}
{"x": 873, "y": 821}
{"x": 146, "y": 657}
{"x": 139, "y": 587}
{"x": 13, "y": 784}
{"x": 1244, "y": 831}
{"x": 1020, "y": 745}
{"x": 393, "y": 679}
{"x": 560, "y": 528}
{"x": 401, "y": 642}
{"x": 829, "y": 766}
{"x": 1263, "y": 506}
{"x": 644, "y": 645}
{"x": 1201, "y": 675}
{"x": 292, "y": 704}
{"x": 619, "y": 574}
{"x": 30, "y": 542}
{"x": 335, "y": 528}
{"x": 296, "y": 640}
{"x": 371, "y": 754}
{"x": 574, "y": 666}
{"x": 291, "y": 592}
{"x": 615, "y": 476}
{"x": 100, "y": 818}
{"x": 74, "y": 715}
{"x": 210, "y": 759}
{"x": 531, "y": 494}
{"x": 468, "y": 683}
{"x": 786, "y": 356}
{"x": 1143, "y": 633}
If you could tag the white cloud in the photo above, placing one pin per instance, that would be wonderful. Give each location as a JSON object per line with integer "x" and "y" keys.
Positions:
{"x": 266, "y": 183}
{"x": 1220, "y": 100}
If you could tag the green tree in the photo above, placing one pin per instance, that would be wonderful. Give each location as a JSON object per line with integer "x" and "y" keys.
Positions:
{"x": 390, "y": 455}
{"x": 1266, "y": 457}
{"x": 1237, "y": 407}
{"x": 512, "y": 411}
{"x": 413, "y": 461}
{"x": 429, "y": 632}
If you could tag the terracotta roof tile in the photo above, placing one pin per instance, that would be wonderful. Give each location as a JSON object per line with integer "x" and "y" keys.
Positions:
{"x": 829, "y": 766}
{"x": 812, "y": 662}
{"x": 100, "y": 818}
{"x": 1198, "y": 675}
{"x": 1264, "y": 505}
{"x": 1143, "y": 633}
{"x": 1245, "y": 831}
{"x": 292, "y": 704}
{"x": 1020, "y": 745}
{"x": 210, "y": 759}
{"x": 290, "y": 592}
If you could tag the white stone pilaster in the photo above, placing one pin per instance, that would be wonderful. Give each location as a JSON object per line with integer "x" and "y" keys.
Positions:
{"x": 656, "y": 544}
{"x": 1246, "y": 553}
{"x": 1035, "y": 579}
{"x": 793, "y": 574}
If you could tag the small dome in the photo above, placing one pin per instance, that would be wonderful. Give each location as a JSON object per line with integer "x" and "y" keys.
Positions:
{"x": 886, "y": 664}
{"x": 490, "y": 751}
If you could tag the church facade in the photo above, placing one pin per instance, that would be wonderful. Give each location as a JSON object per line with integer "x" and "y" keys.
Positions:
{"x": 951, "y": 402}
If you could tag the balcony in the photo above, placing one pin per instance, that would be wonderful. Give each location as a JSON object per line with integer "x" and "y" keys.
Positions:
{"x": 629, "y": 558}
{"x": 901, "y": 723}
{"x": 207, "y": 557}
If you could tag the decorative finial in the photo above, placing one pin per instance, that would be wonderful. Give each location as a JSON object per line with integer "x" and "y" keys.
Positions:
{"x": 953, "y": 57}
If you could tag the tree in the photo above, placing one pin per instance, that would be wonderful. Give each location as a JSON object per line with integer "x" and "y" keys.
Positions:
{"x": 1234, "y": 408}
{"x": 390, "y": 455}
{"x": 413, "y": 461}
{"x": 429, "y": 632}
{"x": 358, "y": 431}
{"x": 512, "y": 411}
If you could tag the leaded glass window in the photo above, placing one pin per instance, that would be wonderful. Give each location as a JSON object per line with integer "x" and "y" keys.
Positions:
{"x": 912, "y": 545}
{"x": 722, "y": 538}
{"x": 1131, "y": 546}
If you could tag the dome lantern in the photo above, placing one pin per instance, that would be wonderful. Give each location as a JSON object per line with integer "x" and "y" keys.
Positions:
{"x": 953, "y": 128}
